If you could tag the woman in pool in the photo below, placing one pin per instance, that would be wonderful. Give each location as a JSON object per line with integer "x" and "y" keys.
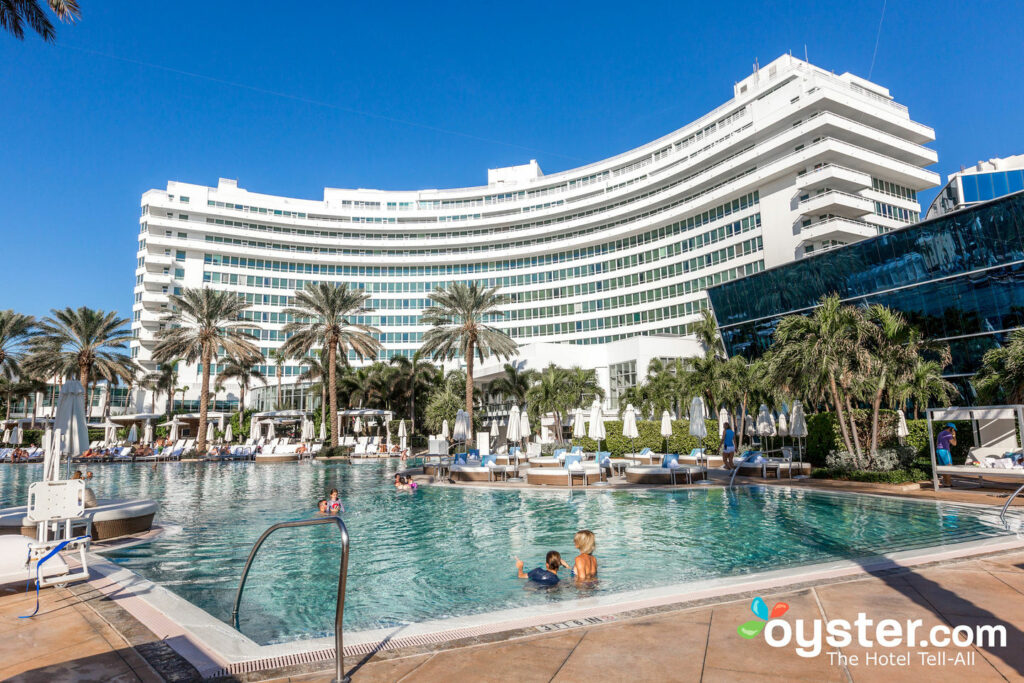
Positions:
{"x": 334, "y": 505}
{"x": 404, "y": 483}
{"x": 585, "y": 566}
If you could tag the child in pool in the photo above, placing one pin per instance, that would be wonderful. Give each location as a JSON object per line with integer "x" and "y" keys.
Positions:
{"x": 546, "y": 575}
{"x": 334, "y": 505}
{"x": 403, "y": 483}
{"x": 585, "y": 566}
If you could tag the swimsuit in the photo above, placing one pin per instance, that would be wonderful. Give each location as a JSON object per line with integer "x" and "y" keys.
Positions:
{"x": 543, "y": 576}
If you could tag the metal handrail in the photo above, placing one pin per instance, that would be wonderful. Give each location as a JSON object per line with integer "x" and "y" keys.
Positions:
{"x": 1006, "y": 505}
{"x": 339, "y": 659}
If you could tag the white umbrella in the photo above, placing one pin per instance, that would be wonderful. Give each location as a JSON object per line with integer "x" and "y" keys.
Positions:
{"x": 71, "y": 433}
{"x": 494, "y": 428}
{"x": 402, "y": 434}
{"x": 270, "y": 429}
{"x": 596, "y": 428}
{"x": 133, "y": 433}
{"x": 211, "y": 433}
{"x": 229, "y": 436}
{"x": 629, "y": 429}
{"x": 173, "y": 436}
{"x": 147, "y": 432}
{"x": 254, "y": 428}
{"x": 109, "y": 432}
{"x": 323, "y": 432}
{"x": 698, "y": 427}
{"x": 445, "y": 433}
{"x": 765, "y": 422}
{"x": 579, "y": 426}
{"x": 723, "y": 418}
{"x": 666, "y": 424}
{"x": 16, "y": 436}
{"x": 902, "y": 431}
{"x": 459, "y": 434}
{"x": 749, "y": 429}
{"x": 783, "y": 425}
{"x": 47, "y": 439}
{"x": 512, "y": 431}
{"x": 7, "y": 436}
{"x": 358, "y": 426}
{"x": 798, "y": 429}
{"x": 524, "y": 425}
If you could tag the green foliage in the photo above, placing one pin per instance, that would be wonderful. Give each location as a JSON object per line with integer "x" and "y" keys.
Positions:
{"x": 240, "y": 424}
{"x": 335, "y": 452}
{"x": 650, "y": 437}
{"x": 32, "y": 436}
{"x": 891, "y": 477}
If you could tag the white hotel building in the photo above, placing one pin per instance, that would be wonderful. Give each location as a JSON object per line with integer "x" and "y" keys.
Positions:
{"x": 605, "y": 265}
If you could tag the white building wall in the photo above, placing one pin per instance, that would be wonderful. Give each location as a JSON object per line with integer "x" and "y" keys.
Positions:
{"x": 793, "y": 155}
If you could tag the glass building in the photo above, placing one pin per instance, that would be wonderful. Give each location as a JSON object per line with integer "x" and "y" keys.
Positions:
{"x": 959, "y": 278}
{"x": 982, "y": 182}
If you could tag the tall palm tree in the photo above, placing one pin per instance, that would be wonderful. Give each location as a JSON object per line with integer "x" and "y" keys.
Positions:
{"x": 321, "y": 318}
{"x": 706, "y": 331}
{"x": 242, "y": 372}
{"x": 201, "y": 322}
{"x": 514, "y": 383}
{"x": 165, "y": 379}
{"x": 550, "y": 394}
{"x": 414, "y": 375}
{"x": 15, "y": 14}
{"x": 316, "y": 370}
{"x": 84, "y": 342}
{"x": 924, "y": 384}
{"x": 459, "y": 317}
{"x": 278, "y": 358}
{"x": 15, "y": 330}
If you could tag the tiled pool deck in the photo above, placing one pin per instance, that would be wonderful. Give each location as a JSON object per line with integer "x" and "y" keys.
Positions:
{"x": 82, "y": 635}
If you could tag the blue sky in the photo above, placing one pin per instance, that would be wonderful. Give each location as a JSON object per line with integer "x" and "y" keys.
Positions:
{"x": 421, "y": 95}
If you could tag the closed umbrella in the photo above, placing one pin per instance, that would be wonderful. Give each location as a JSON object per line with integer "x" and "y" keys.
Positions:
{"x": 579, "y": 426}
{"x": 524, "y": 425}
{"x": 902, "y": 431}
{"x": 445, "y": 432}
{"x": 323, "y": 432}
{"x": 512, "y": 432}
{"x": 666, "y": 427}
{"x": 596, "y": 428}
{"x": 211, "y": 433}
{"x": 270, "y": 430}
{"x": 71, "y": 433}
{"x": 173, "y": 436}
{"x": 629, "y": 429}
{"x": 459, "y": 435}
{"x": 798, "y": 430}
{"x": 16, "y": 436}
{"x": 765, "y": 423}
{"x": 254, "y": 429}
{"x": 723, "y": 419}
{"x": 783, "y": 427}
{"x": 401, "y": 434}
{"x": 749, "y": 428}
{"x": 7, "y": 436}
{"x": 133, "y": 433}
{"x": 147, "y": 432}
{"x": 229, "y": 436}
{"x": 698, "y": 427}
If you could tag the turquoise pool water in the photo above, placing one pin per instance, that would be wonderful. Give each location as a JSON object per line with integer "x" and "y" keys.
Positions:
{"x": 444, "y": 551}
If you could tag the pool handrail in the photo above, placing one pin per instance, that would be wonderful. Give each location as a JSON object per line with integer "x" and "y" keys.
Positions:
{"x": 339, "y": 658}
{"x": 1006, "y": 505}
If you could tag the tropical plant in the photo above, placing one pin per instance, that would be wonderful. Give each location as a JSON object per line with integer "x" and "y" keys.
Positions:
{"x": 514, "y": 383}
{"x": 15, "y": 330}
{"x": 82, "y": 342}
{"x": 445, "y": 400}
{"x": 923, "y": 385}
{"x": 706, "y": 331}
{"x": 279, "y": 359}
{"x": 16, "y": 14}
{"x": 412, "y": 376}
{"x": 321, "y": 318}
{"x": 1000, "y": 379}
{"x": 317, "y": 372}
{"x": 203, "y": 321}
{"x": 164, "y": 380}
{"x": 459, "y": 318}
{"x": 242, "y": 372}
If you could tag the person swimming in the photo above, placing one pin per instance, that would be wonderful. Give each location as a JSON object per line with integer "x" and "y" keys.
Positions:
{"x": 334, "y": 505}
{"x": 546, "y": 575}
{"x": 585, "y": 566}
{"x": 321, "y": 506}
{"x": 404, "y": 483}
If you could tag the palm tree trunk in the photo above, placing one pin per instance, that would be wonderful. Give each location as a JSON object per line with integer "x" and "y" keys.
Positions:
{"x": 837, "y": 402}
{"x": 333, "y": 395}
{"x": 853, "y": 425}
{"x": 876, "y": 406}
{"x": 323, "y": 402}
{"x": 204, "y": 399}
{"x": 470, "y": 437}
{"x": 278, "y": 406}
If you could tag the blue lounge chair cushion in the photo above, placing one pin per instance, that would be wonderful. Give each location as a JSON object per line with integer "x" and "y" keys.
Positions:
{"x": 489, "y": 460}
{"x": 474, "y": 453}
{"x": 644, "y": 451}
{"x": 668, "y": 459}
{"x": 696, "y": 452}
{"x": 460, "y": 458}
{"x": 559, "y": 451}
{"x": 573, "y": 459}
{"x": 576, "y": 449}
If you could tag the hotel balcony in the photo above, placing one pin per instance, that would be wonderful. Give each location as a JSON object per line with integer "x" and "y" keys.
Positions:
{"x": 837, "y": 228}
{"x": 836, "y": 203}
{"x": 835, "y": 177}
{"x": 157, "y": 262}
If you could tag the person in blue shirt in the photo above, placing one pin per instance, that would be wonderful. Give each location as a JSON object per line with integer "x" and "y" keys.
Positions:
{"x": 943, "y": 455}
{"x": 546, "y": 575}
{"x": 728, "y": 446}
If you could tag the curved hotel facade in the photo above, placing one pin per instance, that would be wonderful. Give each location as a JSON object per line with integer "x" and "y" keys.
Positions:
{"x": 606, "y": 265}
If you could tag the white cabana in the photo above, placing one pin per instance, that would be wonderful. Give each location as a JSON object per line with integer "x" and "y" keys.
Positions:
{"x": 596, "y": 428}
{"x": 229, "y": 435}
{"x": 133, "y": 433}
{"x": 902, "y": 431}
{"x": 71, "y": 433}
{"x": 629, "y": 429}
{"x": 579, "y": 426}
{"x": 996, "y": 431}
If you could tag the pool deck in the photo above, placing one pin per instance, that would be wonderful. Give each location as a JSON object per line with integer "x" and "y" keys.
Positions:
{"x": 82, "y": 634}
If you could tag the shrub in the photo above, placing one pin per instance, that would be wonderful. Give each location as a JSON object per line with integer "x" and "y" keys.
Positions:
{"x": 886, "y": 460}
{"x": 335, "y": 452}
{"x": 891, "y": 477}
{"x": 650, "y": 437}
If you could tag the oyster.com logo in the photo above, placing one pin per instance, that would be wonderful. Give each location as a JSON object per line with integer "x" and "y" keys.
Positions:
{"x": 752, "y": 628}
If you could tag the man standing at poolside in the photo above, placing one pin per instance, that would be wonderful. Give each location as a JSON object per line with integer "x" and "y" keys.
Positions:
{"x": 943, "y": 454}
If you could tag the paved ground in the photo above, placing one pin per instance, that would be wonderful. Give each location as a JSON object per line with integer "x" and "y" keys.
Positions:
{"x": 79, "y": 636}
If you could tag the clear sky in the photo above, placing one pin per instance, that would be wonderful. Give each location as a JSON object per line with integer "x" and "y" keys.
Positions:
{"x": 289, "y": 98}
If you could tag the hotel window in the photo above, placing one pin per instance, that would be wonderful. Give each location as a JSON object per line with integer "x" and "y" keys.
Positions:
{"x": 622, "y": 376}
{"x": 179, "y": 255}
{"x": 178, "y": 273}
{"x": 183, "y": 199}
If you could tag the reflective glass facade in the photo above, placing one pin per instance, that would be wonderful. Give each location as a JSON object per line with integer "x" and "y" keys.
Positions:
{"x": 980, "y": 187}
{"x": 960, "y": 278}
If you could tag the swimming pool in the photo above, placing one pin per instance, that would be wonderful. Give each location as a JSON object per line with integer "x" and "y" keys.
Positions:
{"x": 449, "y": 551}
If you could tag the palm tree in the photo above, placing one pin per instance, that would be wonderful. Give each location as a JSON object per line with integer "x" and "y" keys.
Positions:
{"x": 459, "y": 317}
{"x": 243, "y": 373}
{"x": 550, "y": 394}
{"x": 89, "y": 343}
{"x": 316, "y": 370}
{"x": 414, "y": 375}
{"x": 15, "y": 330}
{"x": 514, "y": 383}
{"x": 15, "y": 14}
{"x": 320, "y": 318}
{"x": 202, "y": 321}
{"x": 1000, "y": 379}
{"x": 706, "y": 331}
{"x": 165, "y": 379}
{"x": 924, "y": 384}
{"x": 278, "y": 358}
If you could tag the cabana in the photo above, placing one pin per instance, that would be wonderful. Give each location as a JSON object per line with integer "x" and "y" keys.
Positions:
{"x": 997, "y": 449}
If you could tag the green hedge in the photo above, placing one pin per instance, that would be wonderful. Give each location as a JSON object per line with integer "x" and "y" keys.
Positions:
{"x": 650, "y": 437}
{"x": 824, "y": 436}
{"x": 914, "y": 474}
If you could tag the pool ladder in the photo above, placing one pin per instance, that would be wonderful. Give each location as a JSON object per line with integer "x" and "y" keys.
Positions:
{"x": 1006, "y": 505}
{"x": 339, "y": 657}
